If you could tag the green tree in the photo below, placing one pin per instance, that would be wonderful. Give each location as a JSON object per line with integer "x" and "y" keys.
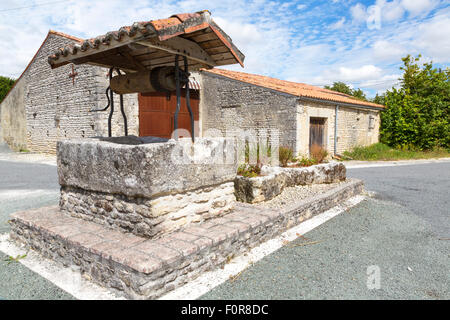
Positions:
{"x": 417, "y": 113}
{"x": 343, "y": 88}
{"x": 5, "y": 85}
{"x": 340, "y": 87}
{"x": 380, "y": 99}
{"x": 359, "y": 94}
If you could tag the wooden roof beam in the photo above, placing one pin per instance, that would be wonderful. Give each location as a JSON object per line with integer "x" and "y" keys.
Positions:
{"x": 182, "y": 47}
{"x": 134, "y": 61}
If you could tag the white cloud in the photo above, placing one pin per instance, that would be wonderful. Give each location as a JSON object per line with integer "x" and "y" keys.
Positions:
{"x": 279, "y": 42}
{"x": 338, "y": 24}
{"x": 358, "y": 12}
{"x": 387, "y": 51}
{"x": 381, "y": 84}
{"x": 366, "y": 72}
{"x": 416, "y": 7}
{"x": 382, "y": 10}
{"x": 433, "y": 39}
{"x": 390, "y": 11}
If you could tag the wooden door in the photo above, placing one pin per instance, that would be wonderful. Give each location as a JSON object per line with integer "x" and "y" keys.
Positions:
{"x": 156, "y": 113}
{"x": 316, "y": 132}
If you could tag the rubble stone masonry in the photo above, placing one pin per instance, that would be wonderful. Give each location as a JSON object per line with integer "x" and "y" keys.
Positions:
{"x": 46, "y": 106}
{"x": 146, "y": 189}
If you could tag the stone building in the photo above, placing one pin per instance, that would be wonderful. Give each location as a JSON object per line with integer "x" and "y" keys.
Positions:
{"x": 47, "y": 105}
{"x": 303, "y": 114}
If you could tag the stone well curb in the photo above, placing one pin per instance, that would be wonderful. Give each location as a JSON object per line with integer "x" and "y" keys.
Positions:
{"x": 146, "y": 269}
{"x": 273, "y": 180}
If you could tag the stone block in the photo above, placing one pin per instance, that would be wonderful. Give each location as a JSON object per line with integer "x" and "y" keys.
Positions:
{"x": 146, "y": 170}
{"x": 148, "y": 189}
{"x": 274, "y": 179}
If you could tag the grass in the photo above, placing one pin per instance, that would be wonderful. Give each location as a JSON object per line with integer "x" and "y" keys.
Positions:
{"x": 285, "y": 154}
{"x": 248, "y": 170}
{"x": 380, "y": 151}
{"x": 11, "y": 259}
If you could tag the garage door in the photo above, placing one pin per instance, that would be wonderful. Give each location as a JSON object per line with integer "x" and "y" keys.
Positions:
{"x": 156, "y": 113}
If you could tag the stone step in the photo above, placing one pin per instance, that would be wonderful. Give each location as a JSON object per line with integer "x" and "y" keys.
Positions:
{"x": 148, "y": 268}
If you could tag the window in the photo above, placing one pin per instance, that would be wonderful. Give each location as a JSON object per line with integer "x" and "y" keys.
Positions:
{"x": 371, "y": 122}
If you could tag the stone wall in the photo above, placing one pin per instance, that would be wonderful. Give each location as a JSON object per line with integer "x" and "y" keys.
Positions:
{"x": 147, "y": 189}
{"x": 56, "y": 108}
{"x": 12, "y": 118}
{"x": 228, "y": 105}
{"x": 148, "y": 217}
{"x": 354, "y": 129}
{"x": 353, "y": 126}
{"x": 146, "y": 170}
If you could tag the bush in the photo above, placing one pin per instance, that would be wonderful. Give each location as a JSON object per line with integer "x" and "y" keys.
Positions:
{"x": 417, "y": 114}
{"x": 248, "y": 170}
{"x": 285, "y": 154}
{"x": 5, "y": 85}
{"x": 371, "y": 152}
{"x": 306, "y": 162}
{"x": 318, "y": 153}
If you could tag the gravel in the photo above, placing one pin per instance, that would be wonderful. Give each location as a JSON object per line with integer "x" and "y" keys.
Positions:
{"x": 292, "y": 195}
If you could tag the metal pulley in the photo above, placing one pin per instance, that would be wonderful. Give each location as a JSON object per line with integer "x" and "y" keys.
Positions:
{"x": 159, "y": 79}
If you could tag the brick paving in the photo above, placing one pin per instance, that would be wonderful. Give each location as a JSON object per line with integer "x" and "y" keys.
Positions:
{"x": 147, "y": 268}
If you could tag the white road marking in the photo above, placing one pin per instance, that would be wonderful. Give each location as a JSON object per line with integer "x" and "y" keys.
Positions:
{"x": 67, "y": 278}
{"x": 374, "y": 164}
{"x": 70, "y": 280}
{"x": 25, "y": 193}
{"x": 210, "y": 280}
{"x": 36, "y": 158}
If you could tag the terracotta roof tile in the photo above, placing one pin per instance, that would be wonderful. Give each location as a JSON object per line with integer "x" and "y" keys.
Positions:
{"x": 65, "y": 35}
{"x": 163, "y": 29}
{"x": 294, "y": 88}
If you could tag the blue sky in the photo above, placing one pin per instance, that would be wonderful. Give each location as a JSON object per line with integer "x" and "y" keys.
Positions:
{"x": 314, "y": 42}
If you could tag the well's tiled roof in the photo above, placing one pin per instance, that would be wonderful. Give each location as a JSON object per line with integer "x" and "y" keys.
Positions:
{"x": 294, "y": 88}
{"x": 184, "y": 24}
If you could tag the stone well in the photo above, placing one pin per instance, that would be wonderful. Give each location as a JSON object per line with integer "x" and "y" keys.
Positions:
{"x": 146, "y": 188}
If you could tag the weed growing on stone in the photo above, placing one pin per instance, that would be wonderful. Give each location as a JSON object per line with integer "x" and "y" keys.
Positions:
{"x": 249, "y": 170}
{"x": 11, "y": 259}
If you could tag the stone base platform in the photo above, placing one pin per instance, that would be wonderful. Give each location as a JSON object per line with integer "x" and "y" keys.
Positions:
{"x": 144, "y": 268}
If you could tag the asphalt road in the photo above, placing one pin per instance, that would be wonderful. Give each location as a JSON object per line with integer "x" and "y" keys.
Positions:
{"x": 424, "y": 189}
{"x": 398, "y": 232}
{"x": 24, "y": 186}
{"x": 403, "y": 232}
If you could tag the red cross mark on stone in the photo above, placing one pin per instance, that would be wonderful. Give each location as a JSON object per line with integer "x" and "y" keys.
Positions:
{"x": 73, "y": 75}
